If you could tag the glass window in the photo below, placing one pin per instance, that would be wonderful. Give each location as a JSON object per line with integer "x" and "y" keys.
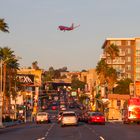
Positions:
{"x": 128, "y": 67}
{"x": 129, "y": 51}
{"x": 128, "y": 43}
{"x": 137, "y": 52}
{"x": 137, "y": 59}
{"x": 118, "y": 42}
{"x": 128, "y": 59}
{"x": 137, "y": 76}
{"x": 137, "y": 43}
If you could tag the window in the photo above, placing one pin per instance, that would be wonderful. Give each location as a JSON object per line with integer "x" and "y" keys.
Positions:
{"x": 119, "y": 103}
{"x": 129, "y": 75}
{"x": 128, "y": 43}
{"x": 137, "y": 59}
{"x": 138, "y": 68}
{"x": 118, "y": 42}
{"x": 137, "y": 43}
{"x": 128, "y": 51}
{"x": 128, "y": 67}
{"x": 128, "y": 59}
{"x": 137, "y": 52}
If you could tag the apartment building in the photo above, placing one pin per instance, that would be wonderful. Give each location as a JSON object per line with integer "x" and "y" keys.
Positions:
{"x": 127, "y": 63}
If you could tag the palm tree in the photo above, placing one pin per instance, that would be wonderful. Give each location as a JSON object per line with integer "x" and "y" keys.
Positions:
{"x": 113, "y": 52}
{"x": 106, "y": 74}
{"x": 111, "y": 78}
{"x": 101, "y": 70}
{"x": 7, "y": 57}
{"x": 3, "y": 26}
{"x": 35, "y": 65}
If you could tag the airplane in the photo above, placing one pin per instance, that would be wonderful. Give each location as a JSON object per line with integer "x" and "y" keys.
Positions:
{"x": 65, "y": 28}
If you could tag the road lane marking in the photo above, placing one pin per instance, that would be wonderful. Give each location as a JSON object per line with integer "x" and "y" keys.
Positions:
{"x": 43, "y": 138}
{"x": 101, "y": 138}
{"x": 93, "y": 131}
{"x": 47, "y": 133}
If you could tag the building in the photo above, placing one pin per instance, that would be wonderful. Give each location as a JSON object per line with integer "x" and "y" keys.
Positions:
{"x": 127, "y": 64}
{"x": 116, "y": 106}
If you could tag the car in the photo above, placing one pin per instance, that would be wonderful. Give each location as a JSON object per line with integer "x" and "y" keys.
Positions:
{"x": 71, "y": 105}
{"x": 62, "y": 107}
{"x": 96, "y": 117}
{"x": 54, "y": 107}
{"x": 69, "y": 118}
{"x": 59, "y": 116}
{"x": 42, "y": 117}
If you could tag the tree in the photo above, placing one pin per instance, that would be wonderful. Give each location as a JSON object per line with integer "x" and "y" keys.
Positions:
{"x": 101, "y": 70}
{"x": 106, "y": 74}
{"x": 76, "y": 83}
{"x": 123, "y": 86}
{"x": 113, "y": 51}
{"x": 111, "y": 78}
{"x": 35, "y": 65}
{"x": 9, "y": 68}
{"x": 3, "y": 26}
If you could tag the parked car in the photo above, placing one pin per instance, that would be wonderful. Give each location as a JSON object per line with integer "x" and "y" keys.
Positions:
{"x": 69, "y": 118}
{"x": 96, "y": 117}
{"x": 42, "y": 117}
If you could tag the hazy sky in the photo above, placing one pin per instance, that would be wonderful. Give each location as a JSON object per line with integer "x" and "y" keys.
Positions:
{"x": 34, "y": 35}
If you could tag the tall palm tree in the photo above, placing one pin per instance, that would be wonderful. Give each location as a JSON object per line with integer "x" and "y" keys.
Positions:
{"x": 101, "y": 70}
{"x": 7, "y": 56}
{"x": 113, "y": 52}
{"x": 111, "y": 78}
{"x": 12, "y": 68}
{"x": 3, "y": 26}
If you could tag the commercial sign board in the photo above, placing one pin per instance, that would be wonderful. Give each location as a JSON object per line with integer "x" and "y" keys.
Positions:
{"x": 73, "y": 93}
{"x": 25, "y": 79}
{"x": 30, "y": 77}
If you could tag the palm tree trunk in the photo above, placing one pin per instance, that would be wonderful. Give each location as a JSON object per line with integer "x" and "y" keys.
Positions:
{"x": 4, "y": 89}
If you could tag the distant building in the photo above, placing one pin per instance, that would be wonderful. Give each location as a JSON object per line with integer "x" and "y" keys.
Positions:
{"x": 127, "y": 64}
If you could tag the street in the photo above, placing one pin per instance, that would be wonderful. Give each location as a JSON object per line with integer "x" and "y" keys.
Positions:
{"x": 53, "y": 131}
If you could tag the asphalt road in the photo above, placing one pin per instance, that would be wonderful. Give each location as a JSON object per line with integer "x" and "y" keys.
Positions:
{"x": 84, "y": 131}
{"x": 53, "y": 131}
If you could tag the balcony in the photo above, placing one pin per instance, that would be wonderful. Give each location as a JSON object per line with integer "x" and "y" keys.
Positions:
{"x": 121, "y": 53}
{"x": 116, "y": 62}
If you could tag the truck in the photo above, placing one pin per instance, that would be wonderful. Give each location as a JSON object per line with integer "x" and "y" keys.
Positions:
{"x": 131, "y": 113}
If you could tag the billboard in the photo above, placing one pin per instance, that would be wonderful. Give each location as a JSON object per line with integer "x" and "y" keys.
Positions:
{"x": 25, "y": 79}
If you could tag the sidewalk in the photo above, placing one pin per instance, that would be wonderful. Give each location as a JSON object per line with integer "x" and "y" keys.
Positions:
{"x": 115, "y": 121}
{"x": 9, "y": 124}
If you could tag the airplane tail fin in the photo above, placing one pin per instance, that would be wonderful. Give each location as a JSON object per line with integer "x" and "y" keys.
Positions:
{"x": 76, "y": 26}
{"x": 72, "y": 25}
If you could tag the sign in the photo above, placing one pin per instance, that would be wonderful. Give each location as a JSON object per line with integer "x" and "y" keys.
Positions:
{"x": 73, "y": 93}
{"x": 26, "y": 79}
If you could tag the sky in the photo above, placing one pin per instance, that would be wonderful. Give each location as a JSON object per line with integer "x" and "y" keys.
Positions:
{"x": 34, "y": 35}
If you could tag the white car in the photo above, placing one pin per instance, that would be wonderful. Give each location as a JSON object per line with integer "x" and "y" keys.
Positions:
{"x": 69, "y": 118}
{"x": 42, "y": 117}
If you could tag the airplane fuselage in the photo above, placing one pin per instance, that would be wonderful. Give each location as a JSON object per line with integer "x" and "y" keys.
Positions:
{"x": 64, "y": 28}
